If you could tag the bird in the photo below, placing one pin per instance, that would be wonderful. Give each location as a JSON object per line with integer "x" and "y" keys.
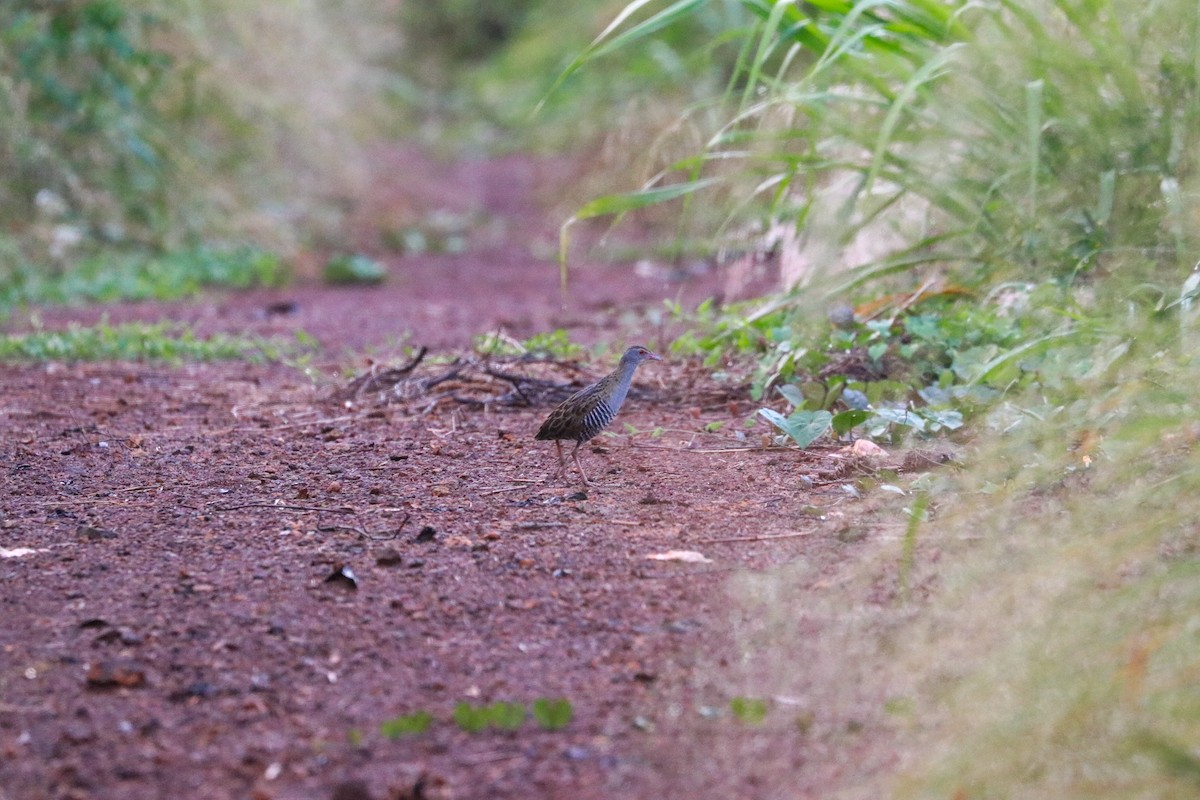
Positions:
{"x": 587, "y": 412}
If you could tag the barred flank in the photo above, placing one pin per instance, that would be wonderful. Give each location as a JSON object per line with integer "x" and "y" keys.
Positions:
{"x": 596, "y": 420}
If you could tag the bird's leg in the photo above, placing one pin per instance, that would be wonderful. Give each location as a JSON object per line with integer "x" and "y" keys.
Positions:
{"x": 562, "y": 462}
{"x": 578, "y": 466}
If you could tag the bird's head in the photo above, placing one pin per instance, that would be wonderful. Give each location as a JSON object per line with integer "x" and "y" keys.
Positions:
{"x": 637, "y": 354}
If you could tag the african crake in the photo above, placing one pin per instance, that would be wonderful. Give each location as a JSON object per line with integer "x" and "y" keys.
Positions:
{"x": 587, "y": 412}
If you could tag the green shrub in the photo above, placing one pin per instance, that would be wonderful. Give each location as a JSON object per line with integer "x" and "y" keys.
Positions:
{"x": 81, "y": 141}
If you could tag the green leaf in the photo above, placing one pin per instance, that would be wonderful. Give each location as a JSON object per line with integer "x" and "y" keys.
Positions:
{"x": 406, "y": 725}
{"x": 470, "y": 718}
{"x": 552, "y": 713}
{"x": 632, "y": 201}
{"x": 621, "y": 204}
{"x": 605, "y": 42}
{"x": 792, "y": 394}
{"x": 507, "y": 716}
{"x": 774, "y": 417}
{"x": 846, "y": 421}
{"x": 900, "y": 416}
{"x": 804, "y": 427}
{"x": 750, "y": 710}
{"x": 943, "y": 418}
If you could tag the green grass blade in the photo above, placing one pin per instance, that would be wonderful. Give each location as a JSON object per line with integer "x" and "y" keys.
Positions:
{"x": 622, "y": 204}
{"x": 605, "y": 42}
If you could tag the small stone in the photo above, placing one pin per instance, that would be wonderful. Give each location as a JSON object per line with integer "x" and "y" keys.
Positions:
{"x": 120, "y": 672}
{"x": 77, "y": 732}
{"x": 92, "y": 534}
{"x": 389, "y": 557}
{"x": 343, "y": 576}
{"x": 351, "y": 790}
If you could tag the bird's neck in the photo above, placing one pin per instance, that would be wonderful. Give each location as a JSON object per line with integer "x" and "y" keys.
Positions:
{"x": 622, "y": 378}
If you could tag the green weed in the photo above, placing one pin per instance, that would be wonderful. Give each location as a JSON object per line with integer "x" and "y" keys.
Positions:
{"x": 163, "y": 341}
{"x": 346, "y": 270}
{"x": 750, "y": 710}
{"x": 553, "y": 344}
{"x": 117, "y": 276}
{"x": 406, "y": 725}
{"x": 552, "y": 713}
{"x": 549, "y": 713}
{"x": 918, "y": 371}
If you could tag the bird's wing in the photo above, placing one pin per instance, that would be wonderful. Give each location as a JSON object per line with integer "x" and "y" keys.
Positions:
{"x": 569, "y": 420}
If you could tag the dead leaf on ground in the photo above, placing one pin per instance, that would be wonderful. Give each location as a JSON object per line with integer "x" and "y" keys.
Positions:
{"x": 17, "y": 552}
{"x": 686, "y": 556}
{"x": 864, "y": 448}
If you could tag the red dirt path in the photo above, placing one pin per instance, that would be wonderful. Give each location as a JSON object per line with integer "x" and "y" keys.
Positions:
{"x": 173, "y": 632}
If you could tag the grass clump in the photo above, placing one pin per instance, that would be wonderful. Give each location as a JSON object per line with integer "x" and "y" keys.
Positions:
{"x": 354, "y": 269}
{"x": 549, "y": 713}
{"x": 553, "y": 344}
{"x": 1024, "y": 625}
{"x": 162, "y": 341}
{"x": 406, "y": 725}
{"x": 142, "y": 276}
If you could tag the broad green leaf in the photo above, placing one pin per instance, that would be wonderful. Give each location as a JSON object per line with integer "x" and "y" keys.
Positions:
{"x": 900, "y": 416}
{"x": 803, "y": 427}
{"x": 846, "y": 421}
{"x": 792, "y": 394}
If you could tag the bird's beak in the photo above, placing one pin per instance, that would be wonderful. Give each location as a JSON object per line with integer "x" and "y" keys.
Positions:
{"x": 653, "y": 357}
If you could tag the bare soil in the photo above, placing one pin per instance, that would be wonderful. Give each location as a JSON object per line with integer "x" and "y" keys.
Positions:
{"x": 220, "y": 579}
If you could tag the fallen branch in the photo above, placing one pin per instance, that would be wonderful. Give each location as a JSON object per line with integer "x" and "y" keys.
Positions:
{"x": 365, "y": 534}
{"x": 374, "y": 380}
{"x": 284, "y": 507}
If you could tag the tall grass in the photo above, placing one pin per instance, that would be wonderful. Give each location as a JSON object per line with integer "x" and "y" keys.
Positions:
{"x": 1013, "y": 139}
